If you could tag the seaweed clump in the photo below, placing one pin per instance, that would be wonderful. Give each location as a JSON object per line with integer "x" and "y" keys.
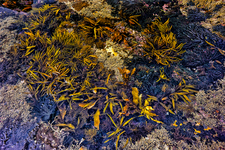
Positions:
{"x": 161, "y": 44}
{"x": 96, "y": 27}
{"x": 64, "y": 67}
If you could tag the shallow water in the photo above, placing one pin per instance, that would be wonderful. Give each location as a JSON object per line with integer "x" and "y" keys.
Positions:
{"x": 108, "y": 87}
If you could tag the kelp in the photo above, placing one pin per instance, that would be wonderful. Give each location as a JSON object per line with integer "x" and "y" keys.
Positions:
{"x": 161, "y": 44}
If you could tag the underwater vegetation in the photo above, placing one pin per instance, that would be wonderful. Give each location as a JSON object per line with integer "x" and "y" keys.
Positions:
{"x": 141, "y": 13}
{"x": 17, "y": 5}
{"x": 132, "y": 20}
{"x": 74, "y": 91}
{"x": 204, "y": 53}
{"x": 49, "y": 17}
{"x": 120, "y": 33}
{"x": 161, "y": 44}
{"x": 96, "y": 27}
{"x": 44, "y": 109}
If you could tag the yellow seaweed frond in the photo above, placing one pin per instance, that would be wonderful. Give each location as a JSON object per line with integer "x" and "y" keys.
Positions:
{"x": 119, "y": 131}
{"x": 96, "y": 119}
{"x": 65, "y": 125}
{"x": 182, "y": 91}
{"x": 135, "y": 95}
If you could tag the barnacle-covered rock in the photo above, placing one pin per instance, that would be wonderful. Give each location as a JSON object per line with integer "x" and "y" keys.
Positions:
{"x": 50, "y": 137}
{"x": 112, "y": 57}
{"x": 90, "y": 8}
{"x": 12, "y": 102}
{"x": 16, "y": 122}
{"x": 210, "y": 107}
{"x": 210, "y": 5}
{"x": 160, "y": 139}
